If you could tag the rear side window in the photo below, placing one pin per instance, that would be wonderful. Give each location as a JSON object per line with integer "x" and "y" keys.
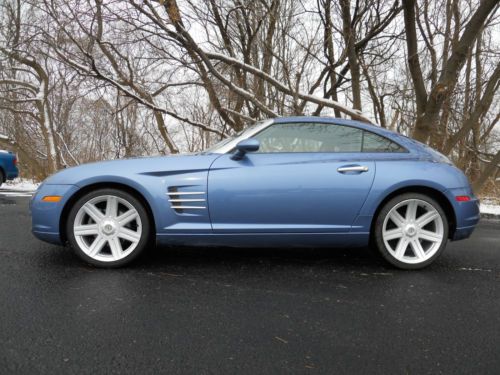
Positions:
{"x": 375, "y": 143}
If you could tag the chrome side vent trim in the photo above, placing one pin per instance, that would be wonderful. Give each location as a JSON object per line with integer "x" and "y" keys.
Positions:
{"x": 188, "y": 207}
{"x": 186, "y": 200}
{"x": 172, "y": 192}
{"x": 180, "y": 200}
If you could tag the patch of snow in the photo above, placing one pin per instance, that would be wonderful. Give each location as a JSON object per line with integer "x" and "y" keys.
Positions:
{"x": 490, "y": 206}
{"x": 16, "y": 193}
{"x": 491, "y": 209}
{"x": 20, "y": 184}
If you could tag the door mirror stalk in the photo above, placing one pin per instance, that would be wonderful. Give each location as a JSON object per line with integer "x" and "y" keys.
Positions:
{"x": 246, "y": 145}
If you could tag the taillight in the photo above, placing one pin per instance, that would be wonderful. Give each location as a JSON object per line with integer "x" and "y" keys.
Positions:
{"x": 462, "y": 198}
{"x": 15, "y": 161}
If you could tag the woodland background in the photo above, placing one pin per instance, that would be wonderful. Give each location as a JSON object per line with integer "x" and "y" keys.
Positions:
{"x": 85, "y": 80}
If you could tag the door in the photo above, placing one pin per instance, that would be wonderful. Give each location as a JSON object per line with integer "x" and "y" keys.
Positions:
{"x": 293, "y": 183}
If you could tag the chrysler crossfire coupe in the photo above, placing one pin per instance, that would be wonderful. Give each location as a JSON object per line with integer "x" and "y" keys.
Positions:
{"x": 301, "y": 181}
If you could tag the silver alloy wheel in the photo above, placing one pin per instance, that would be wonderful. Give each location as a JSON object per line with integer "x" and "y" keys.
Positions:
{"x": 107, "y": 228}
{"x": 413, "y": 231}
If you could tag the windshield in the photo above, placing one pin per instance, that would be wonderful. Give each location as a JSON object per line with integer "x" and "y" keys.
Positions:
{"x": 221, "y": 143}
{"x": 241, "y": 134}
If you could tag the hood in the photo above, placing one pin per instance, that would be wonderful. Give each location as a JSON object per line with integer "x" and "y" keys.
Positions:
{"x": 131, "y": 168}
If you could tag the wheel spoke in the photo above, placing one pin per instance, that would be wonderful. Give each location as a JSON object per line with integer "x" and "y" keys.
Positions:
{"x": 111, "y": 206}
{"x": 116, "y": 247}
{"x": 411, "y": 210}
{"x": 393, "y": 234}
{"x": 93, "y": 212}
{"x": 129, "y": 235}
{"x": 397, "y": 219}
{"x": 401, "y": 248}
{"x": 426, "y": 218}
{"x": 86, "y": 230}
{"x": 127, "y": 217}
{"x": 430, "y": 236}
{"x": 96, "y": 246}
{"x": 417, "y": 248}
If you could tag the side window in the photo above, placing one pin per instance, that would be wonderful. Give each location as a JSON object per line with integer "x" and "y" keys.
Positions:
{"x": 376, "y": 143}
{"x": 310, "y": 137}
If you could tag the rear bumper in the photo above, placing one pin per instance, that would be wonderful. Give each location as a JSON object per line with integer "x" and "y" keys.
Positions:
{"x": 11, "y": 173}
{"x": 463, "y": 233}
{"x": 466, "y": 213}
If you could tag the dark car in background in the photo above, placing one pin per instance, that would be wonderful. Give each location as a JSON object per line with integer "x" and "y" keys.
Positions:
{"x": 8, "y": 166}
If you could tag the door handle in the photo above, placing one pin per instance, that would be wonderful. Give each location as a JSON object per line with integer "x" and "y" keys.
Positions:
{"x": 353, "y": 168}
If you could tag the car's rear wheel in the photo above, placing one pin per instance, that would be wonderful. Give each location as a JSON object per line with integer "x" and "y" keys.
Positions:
{"x": 108, "y": 228}
{"x": 411, "y": 231}
{"x": 2, "y": 177}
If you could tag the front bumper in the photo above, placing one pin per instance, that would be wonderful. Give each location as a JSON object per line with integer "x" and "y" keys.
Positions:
{"x": 46, "y": 216}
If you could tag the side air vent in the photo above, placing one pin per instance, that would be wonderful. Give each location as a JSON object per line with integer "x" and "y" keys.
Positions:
{"x": 186, "y": 201}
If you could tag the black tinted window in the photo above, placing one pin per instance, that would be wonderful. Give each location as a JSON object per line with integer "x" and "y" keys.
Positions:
{"x": 376, "y": 143}
{"x": 310, "y": 137}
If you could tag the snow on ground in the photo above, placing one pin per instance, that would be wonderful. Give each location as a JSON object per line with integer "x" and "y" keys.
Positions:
{"x": 21, "y": 185}
{"x": 490, "y": 206}
{"x": 491, "y": 209}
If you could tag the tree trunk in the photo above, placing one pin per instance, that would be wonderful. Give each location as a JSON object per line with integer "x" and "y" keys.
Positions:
{"x": 428, "y": 109}
{"x": 352, "y": 55}
{"x": 489, "y": 171}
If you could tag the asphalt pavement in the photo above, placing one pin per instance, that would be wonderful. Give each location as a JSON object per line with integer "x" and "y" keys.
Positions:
{"x": 254, "y": 311}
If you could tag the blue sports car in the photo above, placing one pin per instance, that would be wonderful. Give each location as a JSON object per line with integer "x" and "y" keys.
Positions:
{"x": 299, "y": 181}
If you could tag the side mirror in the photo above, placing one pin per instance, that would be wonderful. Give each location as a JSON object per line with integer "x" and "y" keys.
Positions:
{"x": 246, "y": 145}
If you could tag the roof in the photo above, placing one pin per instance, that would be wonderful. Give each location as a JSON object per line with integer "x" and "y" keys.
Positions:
{"x": 338, "y": 121}
{"x": 407, "y": 142}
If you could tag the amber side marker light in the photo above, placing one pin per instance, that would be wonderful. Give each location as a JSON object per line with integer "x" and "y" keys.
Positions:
{"x": 462, "y": 198}
{"x": 51, "y": 198}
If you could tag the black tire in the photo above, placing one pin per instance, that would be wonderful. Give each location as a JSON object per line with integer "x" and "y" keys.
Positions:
{"x": 378, "y": 230}
{"x": 2, "y": 177}
{"x": 136, "y": 252}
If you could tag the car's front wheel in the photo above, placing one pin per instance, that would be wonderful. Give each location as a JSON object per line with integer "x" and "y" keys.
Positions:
{"x": 108, "y": 228}
{"x": 411, "y": 231}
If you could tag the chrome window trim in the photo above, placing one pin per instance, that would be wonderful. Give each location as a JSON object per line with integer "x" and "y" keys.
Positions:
{"x": 228, "y": 147}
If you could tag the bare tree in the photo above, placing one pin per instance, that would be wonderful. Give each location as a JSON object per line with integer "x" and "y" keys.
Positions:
{"x": 89, "y": 80}
{"x": 429, "y": 104}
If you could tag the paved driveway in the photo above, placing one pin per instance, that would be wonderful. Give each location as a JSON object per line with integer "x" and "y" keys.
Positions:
{"x": 205, "y": 311}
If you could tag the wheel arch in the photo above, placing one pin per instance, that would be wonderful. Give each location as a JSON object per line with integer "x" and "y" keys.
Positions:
{"x": 104, "y": 185}
{"x": 425, "y": 190}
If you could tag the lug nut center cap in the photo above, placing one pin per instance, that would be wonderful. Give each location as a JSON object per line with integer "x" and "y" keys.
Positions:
{"x": 108, "y": 227}
{"x": 411, "y": 230}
